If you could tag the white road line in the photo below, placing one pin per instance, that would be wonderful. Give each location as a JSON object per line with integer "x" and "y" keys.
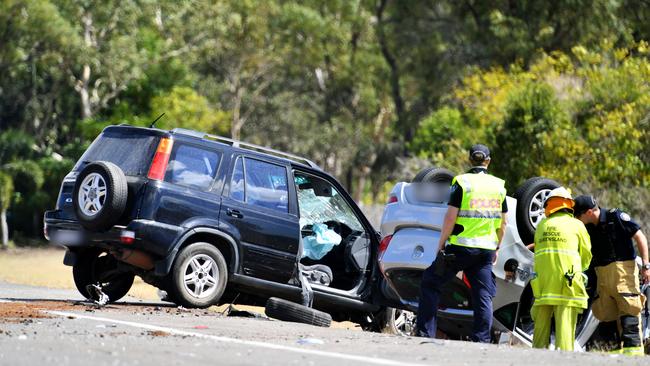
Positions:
{"x": 372, "y": 360}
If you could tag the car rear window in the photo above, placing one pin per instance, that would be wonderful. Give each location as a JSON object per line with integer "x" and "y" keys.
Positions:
{"x": 132, "y": 152}
{"x": 192, "y": 166}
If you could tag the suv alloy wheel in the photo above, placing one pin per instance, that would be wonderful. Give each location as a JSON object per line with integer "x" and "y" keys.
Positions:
{"x": 199, "y": 276}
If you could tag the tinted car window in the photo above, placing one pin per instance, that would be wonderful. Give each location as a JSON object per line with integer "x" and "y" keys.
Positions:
{"x": 131, "y": 152}
{"x": 192, "y": 166}
{"x": 266, "y": 185}
{"x": 237, "y": 181}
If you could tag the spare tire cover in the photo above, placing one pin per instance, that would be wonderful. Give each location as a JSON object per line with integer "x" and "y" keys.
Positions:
{"x": 100, "y": 195}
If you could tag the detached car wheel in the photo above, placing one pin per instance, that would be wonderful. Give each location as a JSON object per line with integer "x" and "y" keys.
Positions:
{"x": 100, "y": 195}
{"x": 434, "y": 175}
{"x": 290, "y": 311}
{"x": 96, "y": 267}
{"x": 530, "y": 205}
{"x": 199, "y": 276}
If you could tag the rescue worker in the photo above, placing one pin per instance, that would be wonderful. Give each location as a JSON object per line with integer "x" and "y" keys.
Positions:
{"x": 562, "y": 253}
{"x": 474, "y": 224}
{"x": 618, "y": 296}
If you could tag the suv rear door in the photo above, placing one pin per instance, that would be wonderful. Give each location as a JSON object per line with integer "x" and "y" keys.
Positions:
{"x": 130, "y": 148}
{"x": 259, "y": 209}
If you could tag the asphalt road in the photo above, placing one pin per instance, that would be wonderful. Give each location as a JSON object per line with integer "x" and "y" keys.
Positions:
{"x": 40, "y": 326}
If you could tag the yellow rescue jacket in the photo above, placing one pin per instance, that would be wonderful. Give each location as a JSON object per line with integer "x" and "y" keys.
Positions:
{"x": 562, "y": 251}
{"x": 480, "y": 210}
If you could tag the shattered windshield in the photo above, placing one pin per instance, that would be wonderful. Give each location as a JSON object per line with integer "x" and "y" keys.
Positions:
{"x": 319, "y": 202}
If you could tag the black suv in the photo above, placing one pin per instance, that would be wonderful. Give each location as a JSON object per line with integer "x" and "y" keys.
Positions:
{"x": 209, "y": 219}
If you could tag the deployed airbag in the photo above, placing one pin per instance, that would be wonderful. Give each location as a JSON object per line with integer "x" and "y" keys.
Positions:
{"x": 316, "y": 246}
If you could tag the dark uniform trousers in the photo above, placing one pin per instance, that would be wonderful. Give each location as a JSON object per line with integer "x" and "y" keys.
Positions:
{"x": 477, "y": 265}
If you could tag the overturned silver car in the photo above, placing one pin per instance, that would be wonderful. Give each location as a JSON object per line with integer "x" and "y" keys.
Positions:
{"x": 410, "y": 229}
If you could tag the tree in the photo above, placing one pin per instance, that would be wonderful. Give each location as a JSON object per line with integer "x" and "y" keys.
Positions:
{"x": 111, "y": 57}
{"x": 6, "y": 194}
{"x": 537, "y": 138}
{"x": 38, "y": 44}
{"x": 184, "y": 107}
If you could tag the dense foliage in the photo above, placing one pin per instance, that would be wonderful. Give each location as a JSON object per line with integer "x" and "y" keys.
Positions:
{"x": 371, "y": 90}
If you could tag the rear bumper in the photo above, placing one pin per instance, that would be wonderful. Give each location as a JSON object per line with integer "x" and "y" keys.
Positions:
{"x": 150, "y": 236}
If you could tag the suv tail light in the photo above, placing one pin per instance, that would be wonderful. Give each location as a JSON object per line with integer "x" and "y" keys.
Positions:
{"x": 391, "y": 199}
{"x": 161, "y": 159}
{"x": 383, "y": 245}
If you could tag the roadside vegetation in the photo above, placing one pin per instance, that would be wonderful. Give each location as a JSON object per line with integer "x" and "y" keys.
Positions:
{"x": 370, "y": 90}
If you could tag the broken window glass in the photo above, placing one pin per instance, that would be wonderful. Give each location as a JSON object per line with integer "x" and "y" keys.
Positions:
{"x": 320, "y": 202}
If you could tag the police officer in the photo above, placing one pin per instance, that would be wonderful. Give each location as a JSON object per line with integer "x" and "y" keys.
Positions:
{"x": 474, "y": 224}
{"x": 562, "y": 253}
{"x": 618, "y": 296}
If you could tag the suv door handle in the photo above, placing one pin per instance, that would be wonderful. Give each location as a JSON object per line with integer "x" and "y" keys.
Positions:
{"x": 234, "y": 213}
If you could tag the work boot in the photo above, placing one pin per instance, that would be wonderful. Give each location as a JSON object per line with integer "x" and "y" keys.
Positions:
{"x": 631, "y": 336}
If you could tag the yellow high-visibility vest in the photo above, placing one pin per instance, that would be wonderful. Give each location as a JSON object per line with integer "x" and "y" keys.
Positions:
{"x": 480, "y": 210}
{"x": 562, "y": 248}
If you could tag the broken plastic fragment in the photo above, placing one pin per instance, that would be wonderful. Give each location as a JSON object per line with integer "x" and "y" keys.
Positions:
{"x": 310, "y": 341}
{"x": 101, "y": 298}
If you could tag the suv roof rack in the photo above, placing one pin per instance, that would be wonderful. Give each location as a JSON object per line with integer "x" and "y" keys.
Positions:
{"x": 247, "y": 146}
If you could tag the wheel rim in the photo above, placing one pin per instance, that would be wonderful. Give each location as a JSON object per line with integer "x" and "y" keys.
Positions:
{"x": 536, "y": 207}
{"x": 404, "y": 322}
{"x": 92, "y": 194}
{"x": 200, "y": 276}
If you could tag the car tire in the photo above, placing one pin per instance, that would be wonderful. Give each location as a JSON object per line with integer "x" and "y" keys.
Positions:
{"x": 530, "y": 198}
{"x": 393, "y": 321}
{"x": 434, "y": 175}
{"x": 290, "y": 311}
{"x": 100, "y": 195}
{"x": 98, "y": 267}
{"x": 198, "y": 276}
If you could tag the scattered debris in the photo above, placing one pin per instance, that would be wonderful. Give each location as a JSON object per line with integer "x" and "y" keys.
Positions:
{"x": 101, "y": 298}
{"x": 434, "y": 341}
{"x": 19, "y": 312}
{"x": 232, "y": 311}
{"x": 158, "y": 333}
{"x": 310, "y": 341}
{"x": 164, "y": 296}
{"x": 244, "y": 314}
{"x": 104, "y": 326}
{"x": 200, "y": 327}
{"x": 22, "y": 337}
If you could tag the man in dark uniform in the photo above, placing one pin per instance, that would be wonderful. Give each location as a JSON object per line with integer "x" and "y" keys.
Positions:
{"x": 474, "y": 224}
{"x": 618, "y": 296}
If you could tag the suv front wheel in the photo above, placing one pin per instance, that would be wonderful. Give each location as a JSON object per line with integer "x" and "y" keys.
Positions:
{"x": 199, "y": 276}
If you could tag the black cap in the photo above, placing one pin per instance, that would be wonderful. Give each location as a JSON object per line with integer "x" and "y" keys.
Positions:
{"x": 583, "y": 203}
{"x": 478, "y": 153}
